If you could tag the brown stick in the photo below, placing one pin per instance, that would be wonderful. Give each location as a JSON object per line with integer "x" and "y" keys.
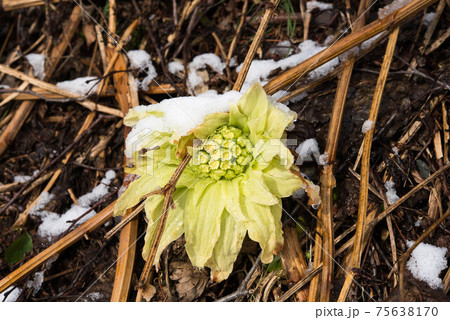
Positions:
{"x": 390, "y": 22}
{"x": 51, "y": 87}
{"x": 328, "y": 180}
{"x": 365, "y": 167}
{"x": 169, "y": 189}
{"x": 127, "y": 97}
{"x": 272, "y": 5}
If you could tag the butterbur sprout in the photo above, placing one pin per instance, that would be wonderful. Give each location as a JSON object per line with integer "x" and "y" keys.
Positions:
{"x": 233, "y": 185}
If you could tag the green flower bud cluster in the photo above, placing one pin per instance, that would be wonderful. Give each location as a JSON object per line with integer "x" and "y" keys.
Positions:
{"x": 224, "y": 155}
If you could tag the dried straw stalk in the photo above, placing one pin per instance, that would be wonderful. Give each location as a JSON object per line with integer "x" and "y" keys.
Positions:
{"x": 325, "y": 230}
{"x": 365, "y": 166}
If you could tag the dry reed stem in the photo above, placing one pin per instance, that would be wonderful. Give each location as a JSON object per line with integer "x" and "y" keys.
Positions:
{"x": 300, "y": 284}
{"x": 127, "y": 97}
{"x": 370, "y": 225}
{"x": 315, "y": 83}
{"x": 111, "y": 61}
{"x": 328, "y": 182}
{"x": 9, "y": 5}
{"x": 14, "y": 95}
{"x": 13, "y": 127}
{"x": 365, "y": 166}
{"x": 408, "y": 252}
{"x": 22, "y": 218}
{"x": 37, "y": 93}
{"x": 271, "y": 6}
{"x": 237, "y": 34}
{"x": 293, "y": 259}
{"x": 52, "y": 88}
{"x": 92, "y": 224}
{"x": 390, "y": 22}
{"x": 432, "y": 26}
{"x": 112, "y": 21}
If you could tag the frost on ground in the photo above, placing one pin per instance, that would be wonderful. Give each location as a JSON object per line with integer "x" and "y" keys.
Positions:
{"x": 427, "y": 262}
{"x": 261, "y": 69}
{"x": 311, "y": 5}
{"x": 81, "y": 86}
{"x": 53, "y": 224}
{"x": 37, "y": 61}
{"x": 394, "y": 5}
{"x": 367, "y": 125}
{"x": 12, "y": 296}
{"x": 308, "y": 150}
{"x": 391, "y": 193}
{"x": 23, "y": 179}
{"x": 141, "y": 61}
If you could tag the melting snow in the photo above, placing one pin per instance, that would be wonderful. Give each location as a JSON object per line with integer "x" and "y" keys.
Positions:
{"x": 175, "y": 67}
{"x": 180, "y": 116}
{"x": 261, "y": 69}
{"x": 311, "y": 5}
{"x": 80, "y": 86}
{"x": 36, "y": 283}
{"x": 37, "y": 61}
{"x": 23, "y": 179}
{"x": 12, "y": 296}
{"x": 428, "y": 18}
{"x": 140, "y": 60}
{"x": 306, "y": 150}
{"x": 391, "y": 193}
{"x": 54, "y": 224}
{"x": 367, "y": 125}
{"x": 427, "y": 262}
{"x": 394, "y": 5}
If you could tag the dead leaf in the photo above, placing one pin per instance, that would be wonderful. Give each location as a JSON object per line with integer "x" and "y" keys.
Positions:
{"x": 148, "y": 292}
{"x": 89, "y": 33}
{"x": 190, "y": 282}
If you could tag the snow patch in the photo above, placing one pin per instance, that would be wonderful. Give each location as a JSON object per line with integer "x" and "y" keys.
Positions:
{"x": 395, "y": 150}
{"x": 36, "y": 283}
{"x": 81, "y": 86}
{"x": 94, "y": 296}
{"x": 323, "y": 159}
{"x": 391, "y": 193}
{"x": 200, "y": 62}
{"x": 306, "y": 150}
{"x": 426, "y": 263}
{"x": 367, "y": 125}
{"x": 393, "y": 6}
{"x": 53, "y": 224}
{"x": 175, "y": 67}
{"x": 428, "y": 18}
{"x": 37, "y": 61}
{"x": 23, "y": 179}
{"x": 311, "y": 5}
{"x": 140, "y": 60}
{"x": 260, "y": 69}
{"x": 12, "y": 296}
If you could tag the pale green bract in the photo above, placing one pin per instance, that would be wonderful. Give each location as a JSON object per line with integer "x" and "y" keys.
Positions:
{"x": 232, "y": 186}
